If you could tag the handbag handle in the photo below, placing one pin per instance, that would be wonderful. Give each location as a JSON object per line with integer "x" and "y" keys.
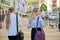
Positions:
{"x": 37, "y": 22}
{"x": 17, "y": 21}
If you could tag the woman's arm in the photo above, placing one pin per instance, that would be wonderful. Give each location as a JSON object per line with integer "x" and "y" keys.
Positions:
{"x": 29, "y": 25}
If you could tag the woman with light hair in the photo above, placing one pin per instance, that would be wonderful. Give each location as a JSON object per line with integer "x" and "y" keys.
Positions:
{"x": 33, "y": 23}
{"x": 11, "y": 24}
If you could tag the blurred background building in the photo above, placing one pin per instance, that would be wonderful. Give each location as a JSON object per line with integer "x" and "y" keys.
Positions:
{"x": 4, "y": 5}
{"x": 51, "y": 4}
{"x": 8, "y": 3}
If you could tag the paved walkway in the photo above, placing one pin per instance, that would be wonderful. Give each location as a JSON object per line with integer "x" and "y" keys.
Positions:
{"x": 51, "y": 33}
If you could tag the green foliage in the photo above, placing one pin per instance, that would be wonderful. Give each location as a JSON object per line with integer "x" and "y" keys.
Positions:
{"x": 35, "y": 2}
{"x": 1, "y": 4}
{"x": 43, "y": 7}
{"x": 29, "y": 10}
{"x": 58, "y": 9}
{"x": 2, "y": 1}
{"x": 32, "y": 2}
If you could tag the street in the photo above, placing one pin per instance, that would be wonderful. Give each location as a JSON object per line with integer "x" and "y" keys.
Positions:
{"x": 51, "y": 33}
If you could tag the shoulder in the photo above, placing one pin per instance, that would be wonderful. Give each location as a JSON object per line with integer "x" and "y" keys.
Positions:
{"x": 18, "y": 15}
{"x": 40, "y": 18}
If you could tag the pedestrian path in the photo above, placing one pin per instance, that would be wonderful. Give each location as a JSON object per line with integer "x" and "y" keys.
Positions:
{"x": 3, "y": 34}
{"x": 51, "y": 33}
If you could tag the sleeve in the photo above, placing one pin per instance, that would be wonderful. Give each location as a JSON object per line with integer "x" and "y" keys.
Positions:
{"x": 42, "y": 24}
{"x": 19, "y": 21}
{"x": 28, "y": 25}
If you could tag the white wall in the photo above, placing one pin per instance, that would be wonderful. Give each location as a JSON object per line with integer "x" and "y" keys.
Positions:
{"x": 49, "y": 8}
{"x": 58, "y": 3}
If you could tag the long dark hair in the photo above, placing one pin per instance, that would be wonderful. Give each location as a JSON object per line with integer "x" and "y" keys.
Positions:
{"x": 10, "y": 10}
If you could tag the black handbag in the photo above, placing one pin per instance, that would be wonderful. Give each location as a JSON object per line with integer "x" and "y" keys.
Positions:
{"x": 20, "y": 35}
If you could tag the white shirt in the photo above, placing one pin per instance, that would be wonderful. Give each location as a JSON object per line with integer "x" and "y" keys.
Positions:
{"x": 33, "y": 24}
{"x": 12, "y": 31}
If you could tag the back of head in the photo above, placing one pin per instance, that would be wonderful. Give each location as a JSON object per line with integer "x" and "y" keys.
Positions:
{"x": 11, "y": 9}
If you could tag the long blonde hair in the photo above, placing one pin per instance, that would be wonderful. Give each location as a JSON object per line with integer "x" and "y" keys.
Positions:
{"x": 8, "y": 17}
{"x": 33, "y": 13}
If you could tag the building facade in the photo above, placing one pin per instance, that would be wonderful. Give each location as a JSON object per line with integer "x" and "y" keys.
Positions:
{"x": 58, "y": 3}
{"x": 51, "y": 4}
{"x": 5, "y": 4}
{"x": 13, "y": 3}
{"x": 8, "y": 3}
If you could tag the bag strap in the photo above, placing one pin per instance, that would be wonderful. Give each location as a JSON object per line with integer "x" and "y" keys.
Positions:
{"x": 17, "y": 22}
{"x": 37, "y": 22}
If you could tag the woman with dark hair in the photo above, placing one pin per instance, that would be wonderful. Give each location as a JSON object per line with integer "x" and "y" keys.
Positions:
{"x": 11, "y": 24}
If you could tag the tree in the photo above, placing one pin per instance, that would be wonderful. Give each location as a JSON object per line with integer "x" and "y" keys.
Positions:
{"x": 2, "y": 1}
{"x": 43, "y": 7}
{"x": 58, "y": 9}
